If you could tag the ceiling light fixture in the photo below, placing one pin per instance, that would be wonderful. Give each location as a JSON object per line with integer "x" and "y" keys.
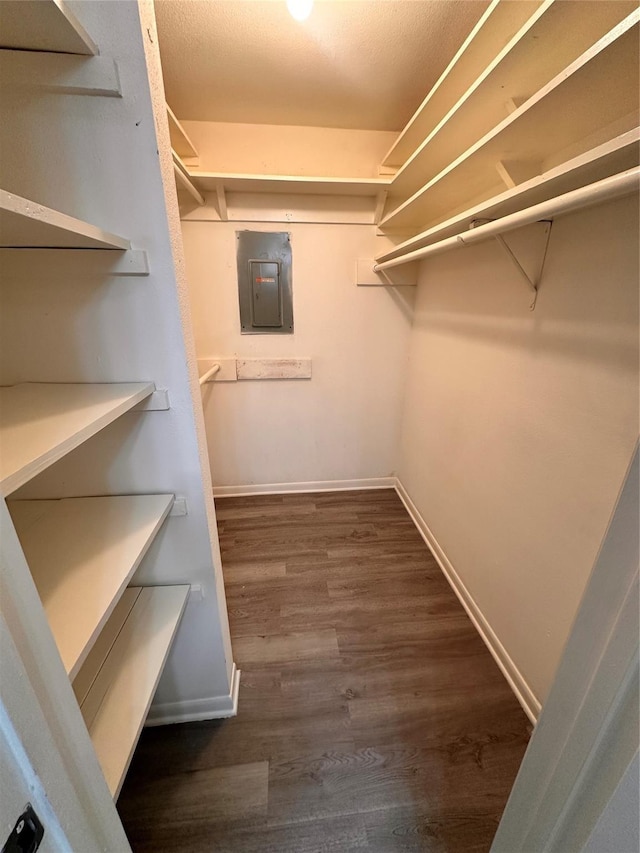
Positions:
{"x": 300, "y": 9}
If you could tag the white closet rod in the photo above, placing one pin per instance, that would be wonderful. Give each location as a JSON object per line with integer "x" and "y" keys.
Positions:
{"x": 209, "y": 374}
{"x": 621, "y": 184}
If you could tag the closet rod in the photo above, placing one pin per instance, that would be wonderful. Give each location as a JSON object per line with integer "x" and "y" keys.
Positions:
{"x": 621, "y": 184}
{"x": 211, "y": 372}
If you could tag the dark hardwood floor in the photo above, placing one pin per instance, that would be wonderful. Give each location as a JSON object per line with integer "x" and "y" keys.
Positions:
{"x": 371, "y": 715}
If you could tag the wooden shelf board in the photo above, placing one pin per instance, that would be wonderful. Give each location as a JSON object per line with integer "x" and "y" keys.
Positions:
{"x": 605, "y": 160}
{"x": 500, "y": 22}
{"x": 599, "y": 88}
{"x": 41, "y": 422}
{"x": 26, "y": 224}
{"x": 180, "y": 141}
{"x": 293, "y": 184}
{"x": 43, "y": 25}
{"x": 566, "y": 30}
{"x": 82, "y": 552}
{"x": 117, "y": 703}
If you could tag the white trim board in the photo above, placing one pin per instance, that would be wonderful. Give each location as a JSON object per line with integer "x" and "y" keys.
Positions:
{"x": 524, "y": 694}
{"x": 193, "y": 710}
{"x": 310, "y": 486}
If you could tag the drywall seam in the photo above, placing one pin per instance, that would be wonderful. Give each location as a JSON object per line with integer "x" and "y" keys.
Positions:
{"x": 523, "y": 692}
{"x": 311, "y": 486}
{"x": 192, "y": 710}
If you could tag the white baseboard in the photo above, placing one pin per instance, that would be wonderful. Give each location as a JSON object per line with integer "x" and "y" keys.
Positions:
{"x": 312, "y": 486}
{"x": 517, "y": 682}
{"x": 192, "y": 710}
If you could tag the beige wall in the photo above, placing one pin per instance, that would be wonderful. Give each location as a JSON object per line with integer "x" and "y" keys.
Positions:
{"x": 344, "y": 423}
{"x": 518, "y": 427}
{"x": 282, "y": 150}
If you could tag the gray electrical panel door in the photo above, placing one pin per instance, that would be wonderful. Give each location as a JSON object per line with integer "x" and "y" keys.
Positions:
{"x": 264, "y": 282}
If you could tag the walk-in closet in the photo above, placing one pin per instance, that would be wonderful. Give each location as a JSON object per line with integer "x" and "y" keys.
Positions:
{"x": 319, "y": 420}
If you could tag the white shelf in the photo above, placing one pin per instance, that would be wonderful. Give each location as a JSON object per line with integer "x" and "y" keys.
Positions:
{"x": 596, "y": 92}
{"x": 605, "y": 160}
{"x": 616, "y": 186}
{"x": 26, "y": 224}
{"x": 123, "y": 683}
{"x": 562, "y": 29}
{"x": 500, "y": 22}
{"x": 82, "y": 552}
{"x": 40, "y": 423}
{"x": 46, "y": 25}
{"x": 295, "y": 184}
{"x": 180, "y": 141}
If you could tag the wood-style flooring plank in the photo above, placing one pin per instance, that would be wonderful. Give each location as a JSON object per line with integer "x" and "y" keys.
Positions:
{"x": 372, "y": 567}
{"x": 323, "y": 836}
{"x": 306, "y": 645}
{"x": 215, "y": 796}
{"x": 250, "y": 572}
{"x": 416, "y": 830}
{"x": 309, "y": 519}
{"x": 247, "y": 513}
{"x": 370, "y": 709}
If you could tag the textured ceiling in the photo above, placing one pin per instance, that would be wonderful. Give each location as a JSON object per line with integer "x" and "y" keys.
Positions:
{"x": 353, "y": 63}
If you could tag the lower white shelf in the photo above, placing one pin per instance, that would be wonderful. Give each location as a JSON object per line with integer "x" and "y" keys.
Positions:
{"x": 116, "y": 684}
{"x": 82, "y": 553}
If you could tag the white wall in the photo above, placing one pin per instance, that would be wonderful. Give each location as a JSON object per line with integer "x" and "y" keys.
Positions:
{"x": 344, "y": 423}
{"x": 518, "y": 427}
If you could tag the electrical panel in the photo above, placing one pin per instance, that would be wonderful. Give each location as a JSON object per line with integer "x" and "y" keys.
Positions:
{"x": 264, "y": 282}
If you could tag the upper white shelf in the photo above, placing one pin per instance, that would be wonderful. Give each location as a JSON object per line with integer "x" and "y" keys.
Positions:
{"x": 26, "y": 224}
{"x": 597, "y": 92}
{"x": 82, "y": 552}
{"x": 117, "y": 683}
{"x": 610, "y": 158}
{"x": 296, "y": 184}
{"x": 40, "y": 423}
{"x": 519, "y": 70}
{"x": 180, "y": 141}
{"x": 500, "y": 22}
{"x": 45, "y": 25}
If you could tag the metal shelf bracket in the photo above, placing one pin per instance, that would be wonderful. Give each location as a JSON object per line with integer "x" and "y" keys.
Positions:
{"x": 532, "y": 283}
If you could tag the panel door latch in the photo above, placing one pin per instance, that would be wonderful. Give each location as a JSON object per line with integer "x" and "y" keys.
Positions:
{"x": 26, "y": 835}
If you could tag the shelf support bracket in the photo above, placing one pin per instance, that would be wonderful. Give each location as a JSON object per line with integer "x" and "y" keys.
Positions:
{"x": 222, "y": 201}
{"x": 531, "y": 283}
{"x": 381, "y": 200}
